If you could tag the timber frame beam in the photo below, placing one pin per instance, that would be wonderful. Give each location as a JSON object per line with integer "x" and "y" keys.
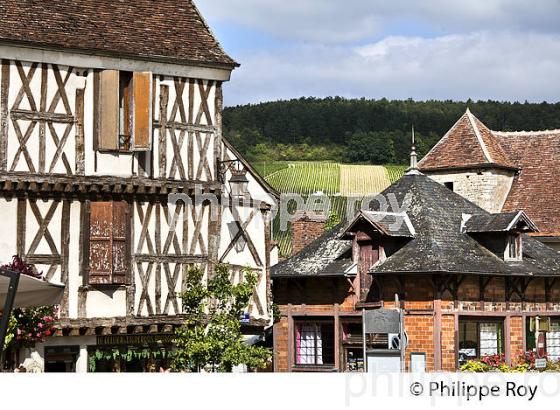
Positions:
{"x": 14, "y": 183}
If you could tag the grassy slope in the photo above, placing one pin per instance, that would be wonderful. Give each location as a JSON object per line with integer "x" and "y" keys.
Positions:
{"x": 338, "y": 181}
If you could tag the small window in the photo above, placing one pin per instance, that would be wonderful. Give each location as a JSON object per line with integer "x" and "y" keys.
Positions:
{"x": 478, "y": 339}
{"x": 314, "y": 343}
{"x": 514, "y": 247}
{"x": 109, "y": 239}
{"x": 122, "y": 111}
{"x": 449, "y": 185}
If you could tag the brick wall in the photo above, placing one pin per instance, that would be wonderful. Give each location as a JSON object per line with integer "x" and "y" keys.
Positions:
{"x": 318, "y": 296}
{"x": 306, "y": 227}
{"x": 516, "y": 337}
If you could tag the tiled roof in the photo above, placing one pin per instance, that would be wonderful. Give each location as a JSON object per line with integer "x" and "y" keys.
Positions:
{"x": 169, "y": 30}
{"x": 469, "y": 143}
{"x": 536, "y": 188}
{"x": 534, "y": 154}
{"x": 439, "y": 243}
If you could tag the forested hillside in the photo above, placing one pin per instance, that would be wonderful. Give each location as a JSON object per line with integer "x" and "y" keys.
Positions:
{"x": 365, "y": 131}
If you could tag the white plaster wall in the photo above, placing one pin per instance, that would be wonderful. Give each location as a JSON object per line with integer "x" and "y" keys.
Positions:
{"x": 75, "y": 279}
{"x": 8, "y": 227}
{"x": 487, "y": 188}
{"x": 106, "y": 303}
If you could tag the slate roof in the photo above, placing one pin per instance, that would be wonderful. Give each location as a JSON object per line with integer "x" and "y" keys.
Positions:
{"x": 535, "y": 155}
{"x": 327, "y": 256}
{"x": 390, "y": 224}
{"x": 439, "y": 244}
{"x": 169, "y": 30}
{"x": 501, "y": 222}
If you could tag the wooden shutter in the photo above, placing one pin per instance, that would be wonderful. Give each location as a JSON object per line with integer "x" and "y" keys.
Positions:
{"x": 106, "y": 110}
{"x": 108, "y": 250}
{"x": 119, "y": 246}
{"x": 101, "y": 232}
{"x": 142, "y": 118}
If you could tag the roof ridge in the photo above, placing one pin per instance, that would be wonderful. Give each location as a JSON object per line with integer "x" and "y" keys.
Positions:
{"x": 474, "y": 127}
{"x": 512, "y": 133}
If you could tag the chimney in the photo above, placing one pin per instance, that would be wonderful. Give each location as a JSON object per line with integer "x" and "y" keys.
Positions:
{"x": 306, "y": 227}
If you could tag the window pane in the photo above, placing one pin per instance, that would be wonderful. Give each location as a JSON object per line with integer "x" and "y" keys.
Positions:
{"x": 488, "y": 339}
{"x": 553, "y": 341}
{"x": 468, "y": 341}
{"x": 314, "y": 343}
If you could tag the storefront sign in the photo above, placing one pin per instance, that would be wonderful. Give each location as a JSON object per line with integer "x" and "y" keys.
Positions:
{"x": 382, "y": 321}
{"x": 139, "y": 339}
{"x": 540, "y": 363}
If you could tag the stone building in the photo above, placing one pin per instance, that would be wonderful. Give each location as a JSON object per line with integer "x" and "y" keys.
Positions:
{"x": 502, "y": 171}
{"x": 108, "y": 111}
{"x": 468, "y": 283}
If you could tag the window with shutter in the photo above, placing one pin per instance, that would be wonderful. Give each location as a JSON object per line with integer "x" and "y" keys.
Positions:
{"x": 108, "y": 243}
{"x": 142, "y": 118}
{"x": 106, "y": 122}
{"x": 123, "y": 111}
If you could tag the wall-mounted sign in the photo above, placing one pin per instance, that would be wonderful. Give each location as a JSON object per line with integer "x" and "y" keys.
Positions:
{"x": 544, "y": 324}
{"x": 382, "y": 321}
{"x": 140, "y": 339}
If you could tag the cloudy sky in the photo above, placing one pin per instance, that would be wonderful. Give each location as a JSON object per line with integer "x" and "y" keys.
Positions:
{"x": 421, "y": 49}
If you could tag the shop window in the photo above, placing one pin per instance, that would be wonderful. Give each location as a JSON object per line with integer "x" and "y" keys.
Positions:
{"x": 352, "y": 346}
{"x": 552, "y": 338}
{"x": 109, "y": 240}
{"x": 123, "y": 111}
{"x": 314, "y": 343}
{"x": 479, "y": 338}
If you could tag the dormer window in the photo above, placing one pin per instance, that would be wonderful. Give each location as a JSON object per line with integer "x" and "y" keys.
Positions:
{"x": 514, "y": 247}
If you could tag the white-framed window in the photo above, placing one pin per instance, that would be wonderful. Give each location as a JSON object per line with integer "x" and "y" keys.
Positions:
{"x": 514, "y": 248}
{"x": 553, "y": 341}
{"x": 314, "y": 342}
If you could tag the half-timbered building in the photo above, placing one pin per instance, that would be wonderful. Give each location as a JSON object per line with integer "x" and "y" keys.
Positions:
{"x": 115, "y": 178}
{"x": 467, "y": 283}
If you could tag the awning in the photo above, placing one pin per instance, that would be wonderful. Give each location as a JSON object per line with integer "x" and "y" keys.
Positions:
{"x": 31, "y": 292}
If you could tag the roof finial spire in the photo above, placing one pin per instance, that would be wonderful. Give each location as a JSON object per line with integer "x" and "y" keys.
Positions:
{"x": 413, "y": 156}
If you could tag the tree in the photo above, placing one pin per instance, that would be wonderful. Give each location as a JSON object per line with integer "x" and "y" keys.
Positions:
{"x": 211, "y": 338}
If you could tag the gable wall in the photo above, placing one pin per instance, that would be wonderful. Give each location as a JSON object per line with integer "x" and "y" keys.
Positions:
{"x": 487, "y": 188}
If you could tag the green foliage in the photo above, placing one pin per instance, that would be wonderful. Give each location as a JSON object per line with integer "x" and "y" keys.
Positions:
{"x": 10, "y": 332}
{"x": 127, "y": 355}
{"x": 333, "y": 220}
{"x": 332, "y": 122}
{"x": 496, "y": 363}
{"x": 307, "y": 178}
{"x": 211, "y": 337}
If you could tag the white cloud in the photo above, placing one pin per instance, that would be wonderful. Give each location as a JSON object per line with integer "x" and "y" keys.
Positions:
{"x": 505, "y": 65}
{"x": 343, "y": 21}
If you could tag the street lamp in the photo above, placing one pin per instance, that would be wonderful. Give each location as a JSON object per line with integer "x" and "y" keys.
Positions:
{"x": 238, "y": 184}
